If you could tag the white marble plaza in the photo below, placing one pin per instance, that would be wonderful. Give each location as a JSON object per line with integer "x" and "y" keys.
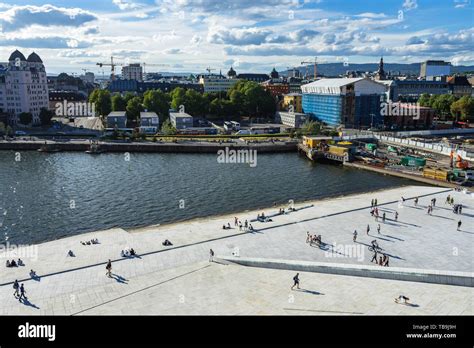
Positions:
{"x": 159, "y": 281}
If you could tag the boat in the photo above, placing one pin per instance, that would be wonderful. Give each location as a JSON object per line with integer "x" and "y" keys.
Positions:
{"x": 94, "y": 149}
{"x": 48, "y": 148}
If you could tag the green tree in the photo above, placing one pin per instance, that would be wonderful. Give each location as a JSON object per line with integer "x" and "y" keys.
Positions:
{"x": 134, "y": 107}
{"x": 463, "y": 108}
{"x": 167, "y": 128}
{"x": 118, "y": 103}
{"x": 102, "y": 101}
{"x": 46, "y": 116}
{"x": 442, "y": 104}
{"x": 311, "y": 127}
{"x": 26, "y": 118}
{"x": 425, "y": 100}
{"x": 156, "y": 101}
{"x": 178, "y": 97}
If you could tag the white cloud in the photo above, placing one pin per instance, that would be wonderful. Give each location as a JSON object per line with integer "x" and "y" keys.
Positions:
{"x": 410, "y": 5}
{"x": 126, "y": 4}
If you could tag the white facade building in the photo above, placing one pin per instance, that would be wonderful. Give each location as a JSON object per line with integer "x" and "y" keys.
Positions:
{"x": 132, "y": 72}
{"x": 214, "y": 84}
{"x": 149, "y": 122}
{"x": 23, "y": 86}
{"x": 181, "y": 120}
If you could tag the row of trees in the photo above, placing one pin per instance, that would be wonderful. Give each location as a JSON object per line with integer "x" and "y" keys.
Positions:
{"x": 246, "y": 98}
{"x": 45, "y": 116}
{"x": 448, "y": 105}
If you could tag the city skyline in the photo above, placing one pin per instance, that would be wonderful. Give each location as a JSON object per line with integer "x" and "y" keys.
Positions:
{"x": 188, "y": 36}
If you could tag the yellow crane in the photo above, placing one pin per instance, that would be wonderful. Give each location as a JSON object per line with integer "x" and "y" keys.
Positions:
{"x": 112, "y": 65}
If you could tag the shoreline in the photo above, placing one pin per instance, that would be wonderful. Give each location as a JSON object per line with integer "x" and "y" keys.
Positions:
{"x": 230, "y": 216}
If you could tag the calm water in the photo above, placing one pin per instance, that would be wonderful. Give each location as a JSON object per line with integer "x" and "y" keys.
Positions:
{"x": 47, "y": 196}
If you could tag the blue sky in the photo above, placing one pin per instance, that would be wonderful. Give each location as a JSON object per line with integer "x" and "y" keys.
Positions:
{"x": 250, "y": 35}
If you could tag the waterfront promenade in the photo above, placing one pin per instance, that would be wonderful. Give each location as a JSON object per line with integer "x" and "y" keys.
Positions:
{"x": 179, "y": 280}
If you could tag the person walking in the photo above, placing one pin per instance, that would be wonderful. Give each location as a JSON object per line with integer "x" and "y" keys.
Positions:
{"x": 459, "y": 225}
{"x": 296, "y": 281}
{"x": 374, "y": 257}
{"x": 16, "y": 287}
{"x": 22, "y": 293}
{"x": 375, "y": 202}
{"x": 372, "y": 203}
{"x": 396, "y": 216}
{"x": 355, "y": 236}
{"x": 383, "y": 217}
{"x": 109, "y": 269}
{"x": 448, "y": 200}
{"x": 308, "y": 236}
{"x": 378, "y": 228}
{"x": 236, "y": 221}
{"x": 211, "y": 255}
{"x": 368, "y": 229}
{"x": 246, "y": 224}
{"x": 416, "y": 201}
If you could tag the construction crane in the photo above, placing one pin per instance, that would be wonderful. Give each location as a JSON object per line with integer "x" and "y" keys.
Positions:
{"x": 315, "y": 66}
{"x": 112, "y": 66}
{"x": 209, "y": 69}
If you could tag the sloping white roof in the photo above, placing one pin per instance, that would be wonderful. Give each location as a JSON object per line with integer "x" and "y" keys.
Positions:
{"x": 337, "y": 82}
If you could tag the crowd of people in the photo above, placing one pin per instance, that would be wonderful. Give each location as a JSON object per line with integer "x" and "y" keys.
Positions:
{"x": 14, "y": 263}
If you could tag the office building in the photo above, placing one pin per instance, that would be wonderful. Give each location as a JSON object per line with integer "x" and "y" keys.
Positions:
{"x": 117, "y": 119}
{"x": 431, "y": 69}
{"x": 352, "y": 102}
{"x": 216, "y": 83}
{"x": 132, "y": 72}
{"x": 291, "y": 119}
{"x": 181, "y": 120}
{"x": 149, "y": 122}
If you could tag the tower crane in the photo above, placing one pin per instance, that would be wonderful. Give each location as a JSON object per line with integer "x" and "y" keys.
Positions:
{"x": 209, "y": 69}
{"x": 112, "y": 65}
{"x": 315, "y": 62}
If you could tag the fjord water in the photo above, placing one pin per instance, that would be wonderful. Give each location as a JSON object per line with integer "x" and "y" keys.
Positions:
{"x": 48, "y": 196}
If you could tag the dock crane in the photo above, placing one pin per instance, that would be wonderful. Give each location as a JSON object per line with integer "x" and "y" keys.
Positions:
{"x": 315, "y": 62}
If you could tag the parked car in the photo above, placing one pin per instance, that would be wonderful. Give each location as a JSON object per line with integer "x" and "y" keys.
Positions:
{"x": 19, "y": 132}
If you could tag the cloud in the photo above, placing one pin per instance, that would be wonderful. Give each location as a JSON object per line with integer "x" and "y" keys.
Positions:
{"x": 45, "y": 42}
{"x": 371, "y": 15}
{"x": 18, "y": 17}
{"x": 409, "y": 5}
{"x": 238, "y": 37}
{"x": 415, "y": 40}
{"x": 173, "y": 51}
{"x": 126, "y": 4}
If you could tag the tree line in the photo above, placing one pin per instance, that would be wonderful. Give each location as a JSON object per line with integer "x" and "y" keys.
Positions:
{"x": 450, "y": 106}
{"x": 245, "y": 98}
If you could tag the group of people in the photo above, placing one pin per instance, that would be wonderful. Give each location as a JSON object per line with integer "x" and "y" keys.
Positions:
{"x": 449, "y": 200}
{"x": 373, "y": 203}
{"x": 90, "y": 242}
{"x": 457, "y": 209}
{"x": 19, "y": 291}
{"x": 14, "y": 263}
{"x": 128, "y": 253}
{"x": 382, "y": 260}
{"x": 263, "y": 218}
{"x": 313, "y": 239}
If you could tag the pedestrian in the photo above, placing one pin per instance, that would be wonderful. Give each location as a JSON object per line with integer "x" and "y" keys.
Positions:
{"x": 460, "y": 209}
{"x": 109, "y": 269}
{"x": 296, "y": 281}
{"x": 434, "y": 202}
{"x": 211, "y": 255}
{"x": 383, "y": 217}
{"x": 374, "y": 257}
{"x": 375, "y": 202}
{"x": 452, "y": 200}
{"x": 246, "y": 224}
{"x": 22, "y": 293}
{"x": 368, "y": 229}
{"x": 378, "y": 228}
{"x": 448, "y": 200}
{"x": 240, "y": 226}
{"x": 16, "y": 287}
{"x": 380, "y": 261}
{"x": 400, "y": 298}
{"x": 396, "y": 216}
{"x": 416, "y": 201}
{"x": 235, "y": 221}
{"x": 308, "y": 236}
{"x": 386, "y": 261}
{"x": 355, "y": 235}
{"x": 459, "y": 224}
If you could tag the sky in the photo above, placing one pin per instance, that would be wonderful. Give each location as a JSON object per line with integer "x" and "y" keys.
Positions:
{"x": 250, "y": 35}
